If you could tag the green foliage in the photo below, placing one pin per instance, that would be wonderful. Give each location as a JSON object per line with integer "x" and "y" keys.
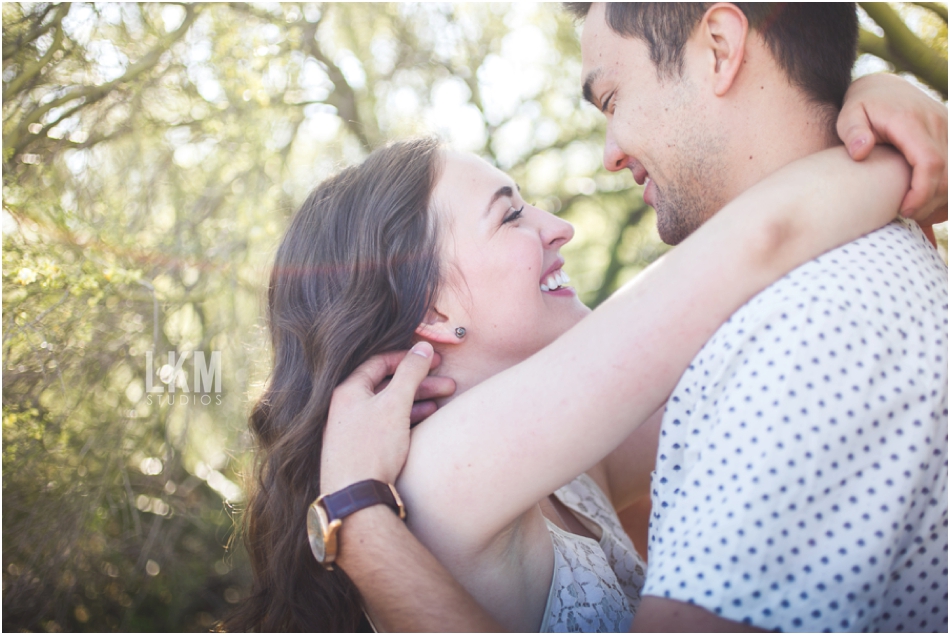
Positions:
{"x": 914, "y": 39}
{"x": 152, "y": 154}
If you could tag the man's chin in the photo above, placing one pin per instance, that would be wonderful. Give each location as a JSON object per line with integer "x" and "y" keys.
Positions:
{"x": 675, "y": 226}
{"x": 671, "y": 232}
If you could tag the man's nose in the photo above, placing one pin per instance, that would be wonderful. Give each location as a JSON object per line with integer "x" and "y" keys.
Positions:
{"x": 614, "y": 158}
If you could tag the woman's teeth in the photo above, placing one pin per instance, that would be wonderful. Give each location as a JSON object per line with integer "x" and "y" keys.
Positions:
{"x": 555, "y": 281}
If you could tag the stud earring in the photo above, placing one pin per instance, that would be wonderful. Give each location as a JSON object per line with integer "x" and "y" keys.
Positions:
{"x": 460, "y": 332}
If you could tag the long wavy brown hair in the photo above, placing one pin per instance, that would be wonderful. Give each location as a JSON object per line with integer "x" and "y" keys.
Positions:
{"x": 353, "y": 277}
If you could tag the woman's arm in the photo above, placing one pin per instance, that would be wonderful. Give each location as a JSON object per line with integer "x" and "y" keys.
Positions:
{"x": 884, "y": 108}
{"x": 483, "y": 460}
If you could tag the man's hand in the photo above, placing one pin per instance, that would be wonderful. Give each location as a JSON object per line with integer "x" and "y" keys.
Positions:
{"x": 887, "y": 109}
{"x": 367, "y": 431}
{"x": 404, "y": 588}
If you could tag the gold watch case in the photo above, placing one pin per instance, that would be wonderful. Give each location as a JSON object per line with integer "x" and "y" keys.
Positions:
{"x": 402, "y": 508}
{"x": 322, "y": 534}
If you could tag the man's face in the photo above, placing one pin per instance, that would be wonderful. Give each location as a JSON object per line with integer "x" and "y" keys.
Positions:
{"x": 656, "y": 127}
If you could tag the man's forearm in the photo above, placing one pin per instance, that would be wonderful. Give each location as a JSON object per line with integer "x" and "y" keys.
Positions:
{"x": 661, "y": 615}
{"x": 404, "y": 588}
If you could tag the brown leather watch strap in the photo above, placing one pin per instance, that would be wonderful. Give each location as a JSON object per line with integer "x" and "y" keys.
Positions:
{"x": 359, "y": 496}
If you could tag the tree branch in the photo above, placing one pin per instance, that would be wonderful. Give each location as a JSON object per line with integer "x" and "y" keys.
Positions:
{"x": 95, "y": 139}
{"x": 935, "y": 7}
{"x": 31, "y": 70}
{"x": 877, "y": 46}
{"x": 343, "y": 97}
{"x": 11, "y": 49}
{"x": 92, "y": 94}
{"x": 905, "y": 49}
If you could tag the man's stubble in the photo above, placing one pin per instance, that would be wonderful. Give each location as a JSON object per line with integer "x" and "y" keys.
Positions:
{"x": 697, "y": 185}
{"x": 695, "y": 166}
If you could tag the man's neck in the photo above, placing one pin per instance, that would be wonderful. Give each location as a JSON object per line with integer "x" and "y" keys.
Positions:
{"x": 771, "y": 123}
{"x": 771, "y": 145}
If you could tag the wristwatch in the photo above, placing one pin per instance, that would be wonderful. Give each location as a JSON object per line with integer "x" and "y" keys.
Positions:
{"x": 325, "y": 515}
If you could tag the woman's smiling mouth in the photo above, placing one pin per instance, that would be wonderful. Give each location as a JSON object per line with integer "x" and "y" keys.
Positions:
{"x": 555, "y": 281}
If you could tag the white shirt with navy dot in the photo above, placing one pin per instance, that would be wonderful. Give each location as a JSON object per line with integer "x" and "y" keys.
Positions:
{"x": 801, "y": 478}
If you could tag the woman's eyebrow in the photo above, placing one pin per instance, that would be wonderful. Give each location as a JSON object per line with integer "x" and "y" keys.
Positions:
{"x": 501, "y": 192}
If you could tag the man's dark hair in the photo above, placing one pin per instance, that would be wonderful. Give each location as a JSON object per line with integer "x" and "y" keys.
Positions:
{"x": 814, "y": 43}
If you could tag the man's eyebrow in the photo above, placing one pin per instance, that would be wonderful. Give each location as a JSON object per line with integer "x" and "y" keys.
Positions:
{"x": 501, "y": 192}
{"x": 592, "y": 77}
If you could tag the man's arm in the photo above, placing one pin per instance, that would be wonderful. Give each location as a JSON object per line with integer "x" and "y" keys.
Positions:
{"x": 658, "y": 615}
{"x": 404, "y": 588}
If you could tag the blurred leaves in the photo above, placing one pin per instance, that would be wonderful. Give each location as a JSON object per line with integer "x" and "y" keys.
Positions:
{"x": 152, "y": 154}
{"x": 920, "y": 49}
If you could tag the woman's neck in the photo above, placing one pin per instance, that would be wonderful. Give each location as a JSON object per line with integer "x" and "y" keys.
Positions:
{"x": 467, "y": 369}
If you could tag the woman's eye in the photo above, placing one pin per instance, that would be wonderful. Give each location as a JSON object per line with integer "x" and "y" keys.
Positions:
{"x": 513, "y": 215}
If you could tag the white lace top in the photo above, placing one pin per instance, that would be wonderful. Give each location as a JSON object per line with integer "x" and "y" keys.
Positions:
{"x": 596, "y": 585}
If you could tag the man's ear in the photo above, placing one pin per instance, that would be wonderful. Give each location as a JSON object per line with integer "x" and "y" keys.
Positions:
{"x": 723, "y": 30}
{"x": 436, "y": 328}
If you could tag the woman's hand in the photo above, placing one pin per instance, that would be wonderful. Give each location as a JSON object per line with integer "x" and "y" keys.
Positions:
{"x": 887, "y": 109}
{"x": 367, "y": 431}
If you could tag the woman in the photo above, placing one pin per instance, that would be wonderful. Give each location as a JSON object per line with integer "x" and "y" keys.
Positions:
{"x": 423, "y": 244}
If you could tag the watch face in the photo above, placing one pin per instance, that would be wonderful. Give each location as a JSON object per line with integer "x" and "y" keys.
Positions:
{"x": 317, "y": 531}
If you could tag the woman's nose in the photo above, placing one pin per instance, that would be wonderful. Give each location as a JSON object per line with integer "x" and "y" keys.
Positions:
{"x": 555, "y": 231}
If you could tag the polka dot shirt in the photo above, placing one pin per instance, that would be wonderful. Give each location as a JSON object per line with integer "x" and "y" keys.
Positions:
{"x": 801, "y": 478}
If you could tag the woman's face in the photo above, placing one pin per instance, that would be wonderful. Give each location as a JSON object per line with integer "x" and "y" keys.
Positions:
{"x": 502, "y": 262}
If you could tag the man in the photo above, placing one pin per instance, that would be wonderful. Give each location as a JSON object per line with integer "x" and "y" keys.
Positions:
{"x": 801, "y": 474}
{"x": 775, "y": 502}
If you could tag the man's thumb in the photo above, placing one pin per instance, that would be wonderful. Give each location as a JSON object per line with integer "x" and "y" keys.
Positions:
{"x": 409, "y": 374}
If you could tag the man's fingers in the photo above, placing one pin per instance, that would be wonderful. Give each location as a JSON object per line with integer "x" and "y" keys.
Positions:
{"x": 435, "y": 388}
{"x": 374, "y": 370}
{"x": 430, "y": 388}
{"x": 372, "y": 375}
{"x": 409, "y": 374}
{"x": 421, "y": 410}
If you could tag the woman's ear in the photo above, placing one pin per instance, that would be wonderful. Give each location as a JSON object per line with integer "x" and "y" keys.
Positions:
{"x": 436, "y": 328}
{"x": 724, "y": 30}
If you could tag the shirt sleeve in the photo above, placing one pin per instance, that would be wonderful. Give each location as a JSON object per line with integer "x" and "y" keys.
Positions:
{"x": 805, "y": 466}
